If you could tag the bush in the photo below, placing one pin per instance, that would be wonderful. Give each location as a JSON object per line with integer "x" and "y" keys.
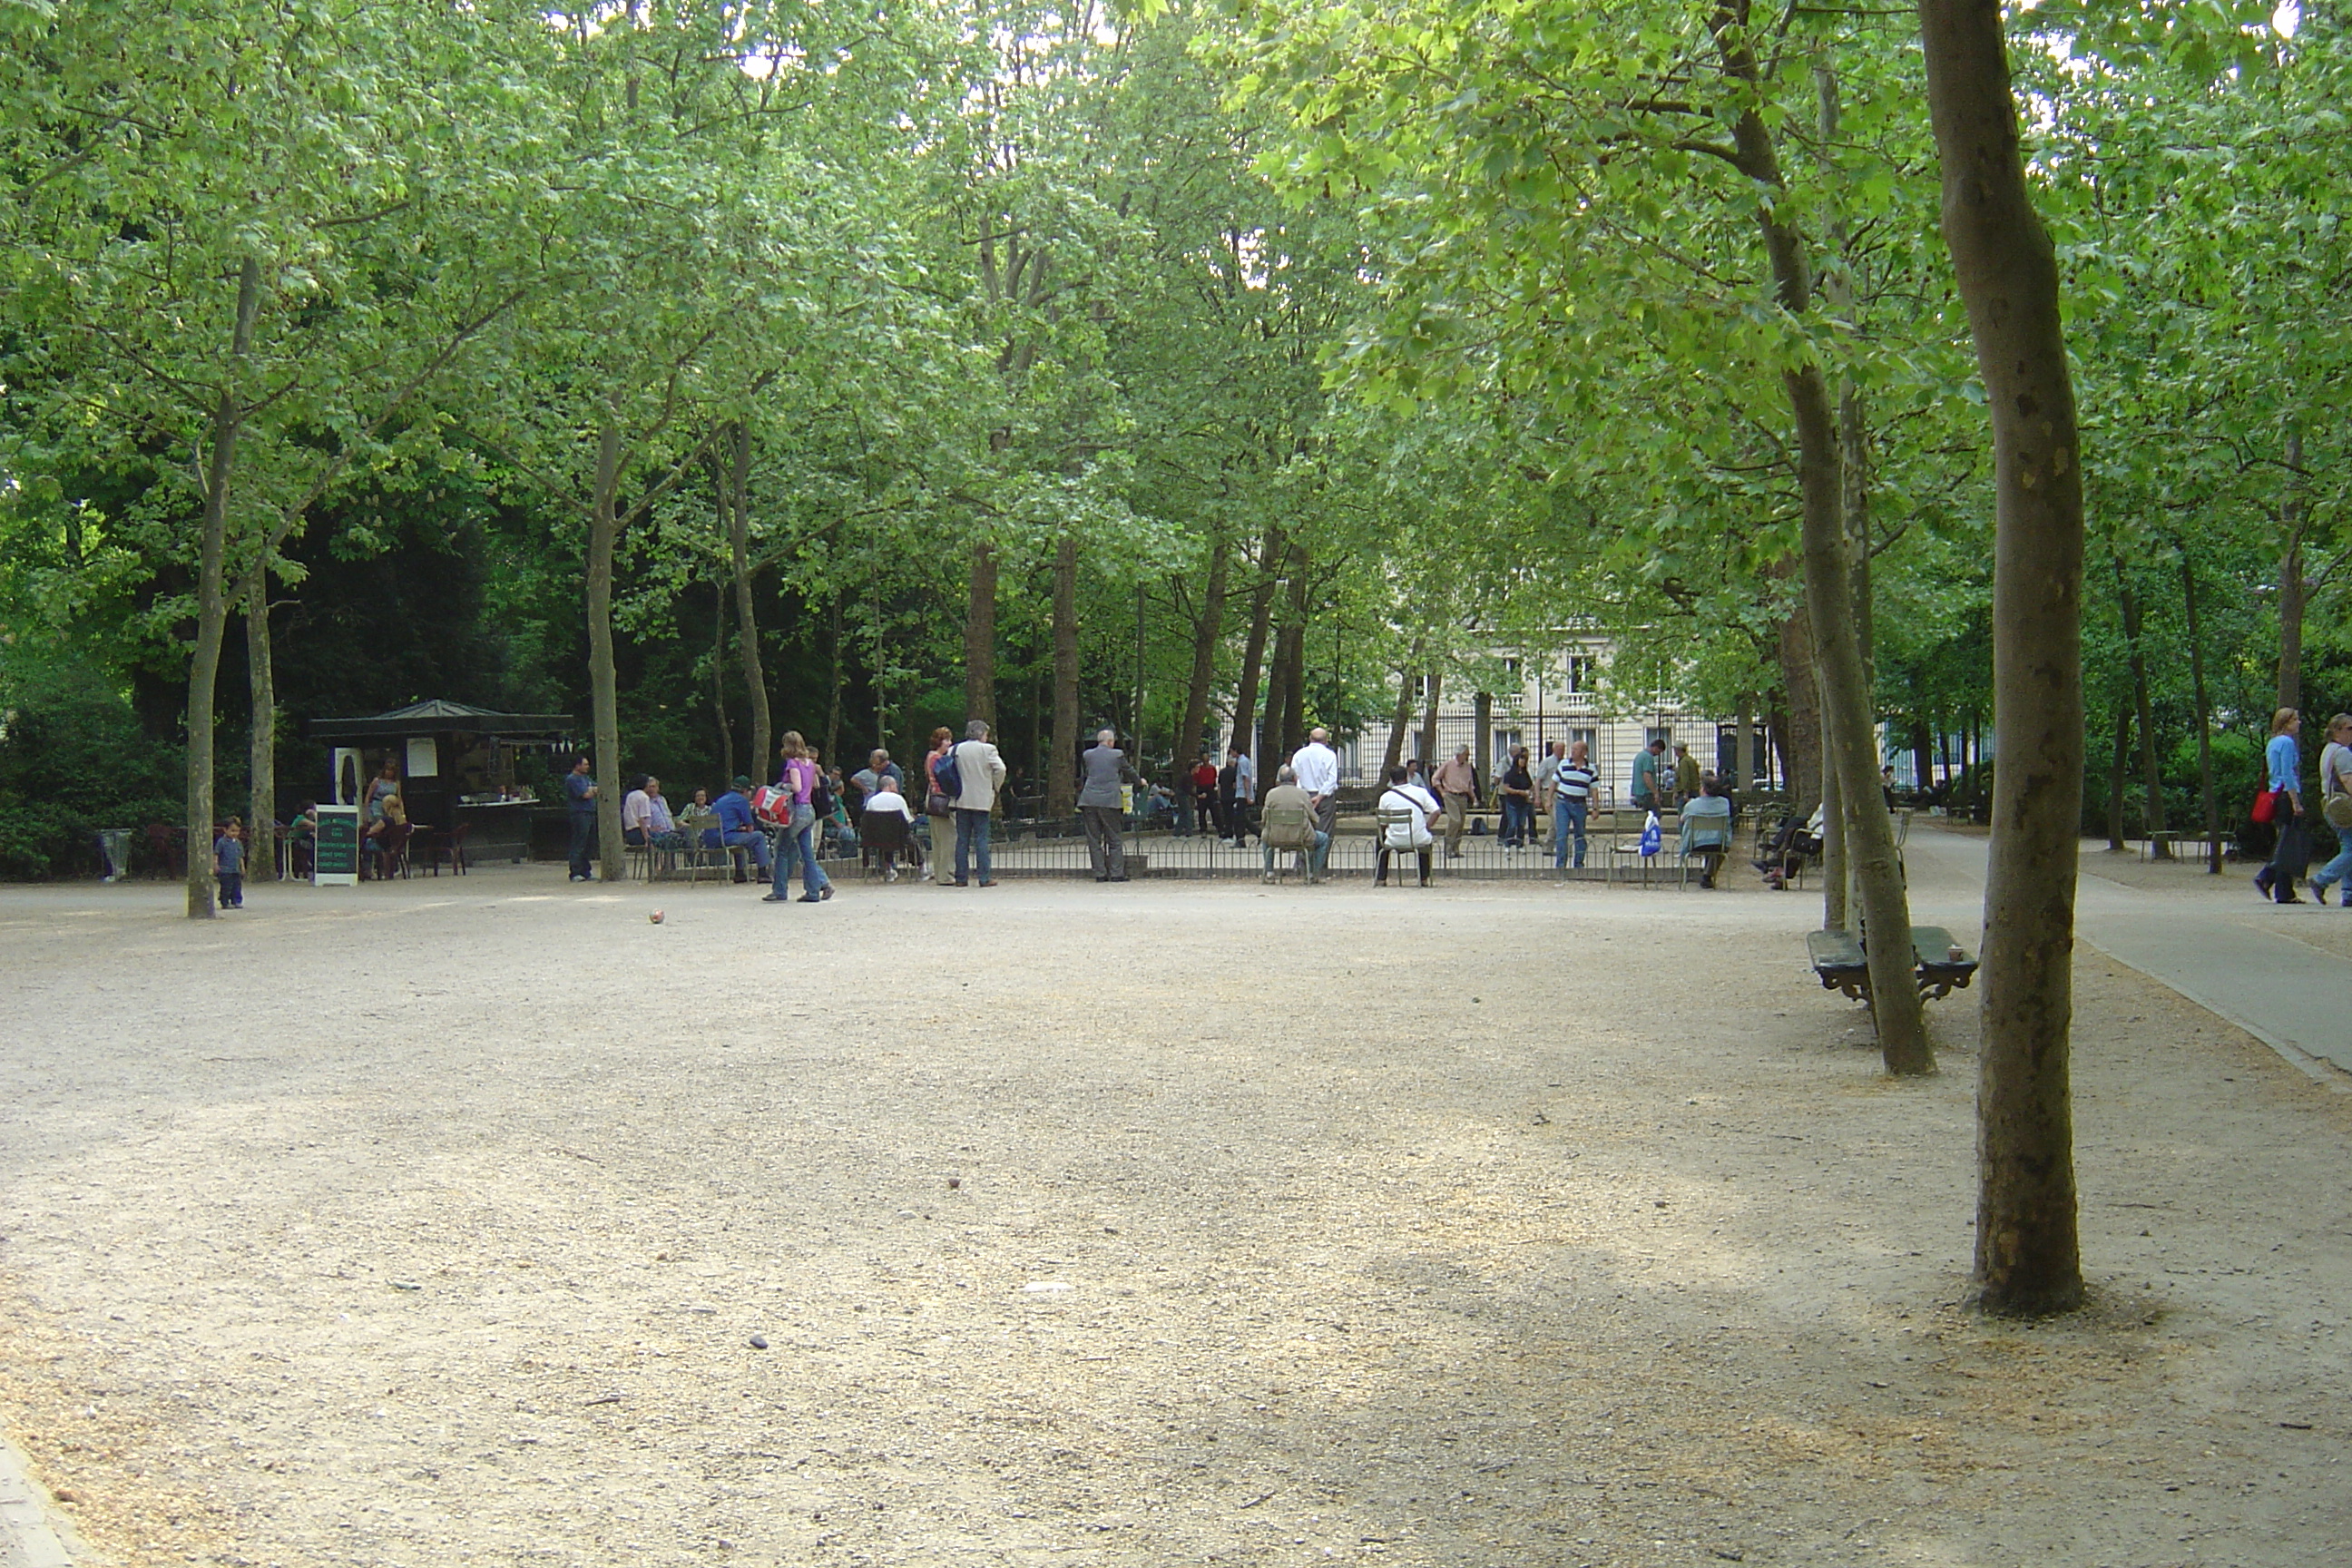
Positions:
{"x": 73, "y": 759}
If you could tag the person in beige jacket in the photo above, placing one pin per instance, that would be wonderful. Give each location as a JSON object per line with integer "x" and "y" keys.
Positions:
{"x": 979, "y": 768}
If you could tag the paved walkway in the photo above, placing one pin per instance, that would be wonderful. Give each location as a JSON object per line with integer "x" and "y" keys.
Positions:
{"x": 27, "y": 1539}
{"x": 2208, "y": 938}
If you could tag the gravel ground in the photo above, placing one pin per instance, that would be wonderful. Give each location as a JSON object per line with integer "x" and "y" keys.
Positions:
{"x": 1196, "y": 1223}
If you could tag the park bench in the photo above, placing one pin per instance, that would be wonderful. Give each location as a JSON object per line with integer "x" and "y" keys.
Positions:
{"x": 1941, "y": 964}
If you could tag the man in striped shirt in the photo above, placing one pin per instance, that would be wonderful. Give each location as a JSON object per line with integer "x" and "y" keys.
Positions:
{"x": 1571, "y": 786}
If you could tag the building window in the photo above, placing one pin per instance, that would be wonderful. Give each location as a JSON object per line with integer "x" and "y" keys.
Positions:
{"x": 1580, "y": 672}
{"x": 1590, "y": 739}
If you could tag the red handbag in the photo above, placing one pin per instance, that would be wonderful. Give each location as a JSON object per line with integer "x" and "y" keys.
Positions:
{"x": 2266, "y": 805}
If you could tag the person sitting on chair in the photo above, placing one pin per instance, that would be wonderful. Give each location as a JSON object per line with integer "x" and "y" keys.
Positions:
{"x": 1706, "y": 827}
{"x": 1784, "y": 854}
{"x": 1286, "y": 822}
{"x": 1415, "y": 809}
{"x": 887, "y": 826}
{"x": 739, "y": 827}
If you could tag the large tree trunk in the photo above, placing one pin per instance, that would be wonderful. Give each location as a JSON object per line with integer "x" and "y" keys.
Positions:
{"x": 1206, "y": 633}
{"x": 2204, "y": 719}
{"x": 2118, "y": 772}
{"x": 1799, "y": 730}
{"x": 1245, "y": 724}
{"x": 211, "y": 611}
{"x": 736, "y": 499}
{"x": 1837, "y": 914}
{"x": 2143, "y": 714}
{"x": 1429, "y": 717}
{"x": 261, "y": 746}
{"x": 1062, "y": 764}
{"x": 1278, "y": 693}
{"x": 980, "y": 642}
{"x": 2028, "y": 1257}
{"x": 1743, "y": 747}
{"x": 1292, "y": 657}
{"x": 1850, "y": 745}
{"x": 603, "y": 679}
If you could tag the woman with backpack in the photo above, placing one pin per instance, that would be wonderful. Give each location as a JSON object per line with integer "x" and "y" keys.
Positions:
{"x": 938, "y": 806}
{"x": 799, "y": 780}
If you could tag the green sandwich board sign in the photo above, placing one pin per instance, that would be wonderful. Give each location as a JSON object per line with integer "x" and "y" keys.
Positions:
{"x": 335, "y": 860}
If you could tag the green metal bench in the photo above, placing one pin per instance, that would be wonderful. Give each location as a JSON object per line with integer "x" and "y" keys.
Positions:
{"x": 1941, "y": 964}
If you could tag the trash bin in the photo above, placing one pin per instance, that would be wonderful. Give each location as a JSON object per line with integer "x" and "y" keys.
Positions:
{"x": 114, "y": 842}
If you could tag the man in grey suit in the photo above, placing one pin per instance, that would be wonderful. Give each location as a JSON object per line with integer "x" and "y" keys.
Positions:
{"x": 1100, "y": 772}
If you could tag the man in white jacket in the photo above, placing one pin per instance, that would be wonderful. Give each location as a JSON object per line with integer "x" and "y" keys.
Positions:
{"x": 979, "y": 768}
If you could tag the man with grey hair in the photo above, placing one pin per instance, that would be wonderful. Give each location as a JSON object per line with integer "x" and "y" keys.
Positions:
{"x": 1317, "y": 766}
{"x": 1287, "y": 823}
{"x": 980, "y": 769}
{"x": 1100, "y": 772}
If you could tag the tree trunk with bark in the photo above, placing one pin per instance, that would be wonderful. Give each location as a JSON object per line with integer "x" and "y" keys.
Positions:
{"x": 1743, "y": 747}
{"x": 1062, "y": 763}
{"x": 2204, "y": 719}
{"x": 1797, "y": 731}
{"x": 603, "y": 679}
{"x": 1837, "y": 914}
{"x": 736, "y": 503}
{"x": 2294, "y": 590}
{"x": 261, "y": 740}
{"x": 719, "y": 690}
{"x": 211, "y": 610}
{"x": 1850, "y": 745}
{"x": 1404, "y": 714}
{"x": 1245, "y": 724}
{"x": 980, "y": 642}
{"x": 2143, "y": 714}
{"x": 2028, "y": 1255}
{"x": 1207, "y": 632}
{"x": 1429, "y": 717}
{"x": 2119, "y": 771}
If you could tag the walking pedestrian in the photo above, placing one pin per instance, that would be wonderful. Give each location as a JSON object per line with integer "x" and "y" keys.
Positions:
{"x": 1686, "y": 776}
{"x": 799, "y": 782}
{"x": 579, "y": 796}
{"x": 980, "y": 772}
{"x": 2336, "y": 807}
{"x": 1457, "y": 782}
{"x": 1317, "y": 766}
{"x": 2290, "y": 857}
{"x": 1101, "y": 773}
{"x": 1571, "y": 803}
{"x": 1649, "y": 766}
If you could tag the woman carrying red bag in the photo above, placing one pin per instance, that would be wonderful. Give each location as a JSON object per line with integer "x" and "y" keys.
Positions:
{"x": 2291, "y": 856}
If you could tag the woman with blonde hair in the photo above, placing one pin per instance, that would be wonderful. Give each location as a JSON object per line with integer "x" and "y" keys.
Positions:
{"x": 797, "y": 779}
{"x": 2292, "y": 855}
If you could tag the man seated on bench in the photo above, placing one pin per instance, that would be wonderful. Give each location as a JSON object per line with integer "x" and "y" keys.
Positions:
{"x": 1785, "y": 853}
{"x": 1405, "y": 812}
{"x": 1287, "y": 823}
{"x": 887, "y": 826}
{"x": 1706, "y": 827}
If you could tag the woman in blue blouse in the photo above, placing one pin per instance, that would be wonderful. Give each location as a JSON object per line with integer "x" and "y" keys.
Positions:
{"x": 2291, "y": 858}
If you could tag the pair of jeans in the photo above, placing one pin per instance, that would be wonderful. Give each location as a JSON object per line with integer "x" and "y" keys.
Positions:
{"x": 232, "y": 889}
{"x": 1519, "y": 820}
{"x": 583, "y": 832}
{"x": 971, "y": 833}
{"x": 752, "y": 843}
{"x": 1105, "y": 848}
{"x": 1317, "y": 859}
{"x": 1566, "y": 816}
{"x": 798, "y": 842}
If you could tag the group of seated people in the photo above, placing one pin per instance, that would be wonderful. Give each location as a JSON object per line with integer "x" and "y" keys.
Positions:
{"x": 869, "y": 810}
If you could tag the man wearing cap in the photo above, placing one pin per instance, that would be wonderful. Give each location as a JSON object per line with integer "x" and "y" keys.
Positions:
{"x": 739, "y": 825}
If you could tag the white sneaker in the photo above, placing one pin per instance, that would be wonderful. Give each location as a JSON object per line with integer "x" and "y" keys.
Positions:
{"x": 891, "y": 875}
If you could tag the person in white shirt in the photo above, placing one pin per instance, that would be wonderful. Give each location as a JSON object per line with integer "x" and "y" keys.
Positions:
{"x": 1409, "y": 832}
{"x": 1317, "y": 767}
{"x": 646, "y": 818}
{"x": 886, "y": 825}
{"x": 981, "y": 771}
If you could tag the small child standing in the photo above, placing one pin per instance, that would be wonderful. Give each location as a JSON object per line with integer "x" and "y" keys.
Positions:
{"x": 229, "y": 864}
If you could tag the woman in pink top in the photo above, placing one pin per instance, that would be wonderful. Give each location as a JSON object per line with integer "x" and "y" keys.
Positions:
{"x": 798, "y": 779}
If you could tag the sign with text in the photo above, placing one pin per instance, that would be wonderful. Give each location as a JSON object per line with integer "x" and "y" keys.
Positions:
{"x": 335, "y": 854}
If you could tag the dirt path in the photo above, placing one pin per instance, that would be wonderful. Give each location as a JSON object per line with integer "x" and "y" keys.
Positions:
{"x": 1187, "y": 1224}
